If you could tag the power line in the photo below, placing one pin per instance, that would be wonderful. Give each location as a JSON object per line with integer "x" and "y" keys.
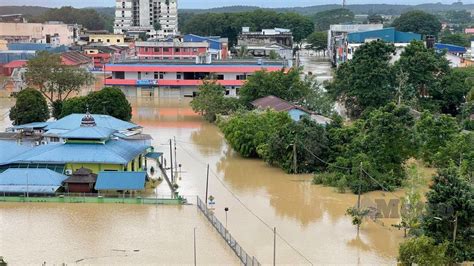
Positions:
{"x": 245, "y": 206}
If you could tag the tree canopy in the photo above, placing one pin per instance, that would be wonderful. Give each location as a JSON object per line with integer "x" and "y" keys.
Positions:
{"x": 30, "y": 107}
{"x": 366, "y": 81}
{"x": 89, "y": 18}
{"x": 456, "y": 39}
{"x": 418, "y": 22}
{"x": 322, "y": 20}
{"x": 55, "y": 80}
{"x": 317, "y": 41}
{"x": 422, "y": 251}
{"x": 108, "y": 101}
{"x": 229, "y": 25}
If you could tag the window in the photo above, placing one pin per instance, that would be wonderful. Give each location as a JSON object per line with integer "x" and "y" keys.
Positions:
{"x": 195, "y": 49}
{"x": 241, "y": 77}
{"x": 99, "y": 40}
{"x": 54, "y": 139}
{"x": 118, "y": 40}
{"x": 220, "y": 77}
{"x": 155, "y": 75}
{"x": 178, "y": 75}
{"x": 108, "y": 40}
{"x": 139, "y": 75}
{"x": 161, "y": 75}
{"x": 227, "y": 92}
{"x": 166, "y": 49}
{"x": 156, "y": 49}
{"x": 176, "y": 50}
{"x": 119, "y": 75}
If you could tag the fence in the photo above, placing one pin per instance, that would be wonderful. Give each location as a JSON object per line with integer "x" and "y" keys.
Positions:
{"x": 244, "y": 257}
{"x": 92, "y": 198}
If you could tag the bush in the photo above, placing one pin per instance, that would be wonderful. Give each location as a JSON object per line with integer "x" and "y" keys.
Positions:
{"x": 30, "y": 106}
{"x": 422, "y": 251}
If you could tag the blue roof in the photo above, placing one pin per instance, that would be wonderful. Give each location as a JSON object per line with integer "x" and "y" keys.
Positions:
{"x": 72, "y": 121}
{"x": 14, "y": 149}
{"x": 94, "y": 132}
{"x": 113, "y": 152}
{"x": 213, "y": 43}
{"x": 32, "y": 125}
{"x": 36, "y": 47}
{"x": 113, "y": 180}
{"x": 20, "y": 180}
{"x": 451, "y": 48}
{"x": 389, "y": 35}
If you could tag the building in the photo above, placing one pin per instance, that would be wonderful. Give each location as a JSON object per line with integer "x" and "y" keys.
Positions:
{"x": 31, "y": 181}
{"x": 389, "y": 35}
{"x": 12, "y": 18}
{"x": 56, "y": 33}
{"x": 218, "y": 47}
{"x": 76, "y": 59}
{"x": 337, "y": 35}
{"x": 296, "y": 112}
{"x": 107, "y": 39}
{"x": 454, "y": 54}
{"x": 105, "y": 54}
{"x": 262, "y": 43}
{"x": 81, "y": 181}
{"x": 172, "y": 50}
{"x": 95, "y": 142}
{"x": 161, "y": 78}
{"x": 133, "y": 17}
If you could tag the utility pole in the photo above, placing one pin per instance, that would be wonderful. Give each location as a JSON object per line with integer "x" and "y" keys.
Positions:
{"x": 207, "y": 184}
{"x": 27, "y": 185}
{"x": 171, "y": 163}
{"x": 455, "y": 227}
{"x": 274, "y": 245}
{"x": 358, "y": 195}
{"x": 175, "y": 157}
{"x": 195, "y": 263}
{"x": 295, "y": 160}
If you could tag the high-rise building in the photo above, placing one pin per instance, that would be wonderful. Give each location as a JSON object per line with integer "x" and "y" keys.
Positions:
{"x": 157, "y": 18}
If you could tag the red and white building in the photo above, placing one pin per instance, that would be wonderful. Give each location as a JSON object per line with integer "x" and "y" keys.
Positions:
{"x": 182, "y": 78}
{"x": 172, "y": 50}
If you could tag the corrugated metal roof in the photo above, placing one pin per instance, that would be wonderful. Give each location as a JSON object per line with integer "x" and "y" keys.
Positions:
{"x": 113, "y": 152}
{"x": 94, "y": 132}
{"x": 22, "y": 180}
{"x": 32, "y": 125}
{"x": 120, "y": 181}
{"x": 11, "y": 149}
{"x": 72, "y": 121}
{"x": 388, "y": 35}
{"x": 275, "y": 103}
{"x": 450, "y": 48}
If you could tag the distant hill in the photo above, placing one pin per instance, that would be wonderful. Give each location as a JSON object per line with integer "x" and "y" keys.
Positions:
{"x": 27, "y": 11}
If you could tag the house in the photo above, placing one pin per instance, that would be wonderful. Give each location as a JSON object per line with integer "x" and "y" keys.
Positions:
{"x": 454, "y": 54}
{"x": 262, "y": 43}
{"x": 109, "y": 39}
{"x": 81, "y": 181}
{"x": 296, "y": 112}
{"x": 76, "y": 59}
{"x": 105, "y": 144}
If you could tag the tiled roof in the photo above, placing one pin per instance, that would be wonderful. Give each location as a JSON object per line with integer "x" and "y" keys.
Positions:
{"x": 16, "y": 64}
{"x": 74, "y": 58}
{"x": 120, "y": 181}
{"x": 274, "y": 103}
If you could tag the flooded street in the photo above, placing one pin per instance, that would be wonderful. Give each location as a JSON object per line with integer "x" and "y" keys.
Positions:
{"x": 310, "y": 220}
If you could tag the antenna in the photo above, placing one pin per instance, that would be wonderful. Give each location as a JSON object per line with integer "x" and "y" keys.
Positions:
{"x": 343, "y": 3}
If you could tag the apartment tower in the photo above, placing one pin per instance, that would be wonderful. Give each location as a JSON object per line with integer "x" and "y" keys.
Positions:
{"x": 157, "y": 18}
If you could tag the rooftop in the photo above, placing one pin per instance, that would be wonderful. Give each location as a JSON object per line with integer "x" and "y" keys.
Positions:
{"x": 120, "y": 181}
{"x": 233, "y": 62}
{"x": 274, "y": 103}
{"x": 72, "y": 121}
{"x": 20, "y": 180}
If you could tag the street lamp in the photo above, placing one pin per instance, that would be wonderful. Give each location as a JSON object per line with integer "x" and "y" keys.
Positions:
{"x": 226, "y": 209}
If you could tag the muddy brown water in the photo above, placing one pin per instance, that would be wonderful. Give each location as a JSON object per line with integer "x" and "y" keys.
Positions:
{"x": 310, "y": 220}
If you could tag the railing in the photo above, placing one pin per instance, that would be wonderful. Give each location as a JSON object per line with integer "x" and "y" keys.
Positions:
{"x": 91, "y": 198}
{"x": 244, "y": 257}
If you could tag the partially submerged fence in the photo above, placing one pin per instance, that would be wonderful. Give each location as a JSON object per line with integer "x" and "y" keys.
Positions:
{"x": 244, "y": 257}
{"x": 91, "y": 198}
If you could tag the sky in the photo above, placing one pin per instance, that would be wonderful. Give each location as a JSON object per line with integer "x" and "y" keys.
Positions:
{"x": 220, "y": 3}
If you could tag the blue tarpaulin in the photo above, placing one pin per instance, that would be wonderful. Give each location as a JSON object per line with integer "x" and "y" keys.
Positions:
{"x": 120, "y": 180}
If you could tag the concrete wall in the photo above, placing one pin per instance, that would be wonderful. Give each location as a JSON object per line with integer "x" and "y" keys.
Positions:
{"x": 38, "y": 31}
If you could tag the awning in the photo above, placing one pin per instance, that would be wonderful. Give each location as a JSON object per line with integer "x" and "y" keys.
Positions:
{"x": 154, "y": 155}
{"x": 120, "y": 180}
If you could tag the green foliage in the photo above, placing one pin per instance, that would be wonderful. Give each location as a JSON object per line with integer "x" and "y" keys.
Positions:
{"x": 366, "y": 81}
{"x": 57, "y": 108}
{"x": 30, "y": 107}
{"x": 456, "y": 39}
{"x": 375, "y": 19}
{"x": 427, "y": 73}
{"x": 322, "y": 20}
{"x": 432, "y": 133}
{"x": 248, "y": 132}
{"x": 229, "y": 25}
{"x": 288, "y": 86}
{"x": 317, "y": 98}
{"x": 422, "y": 251}
{"x": 211, "y": 102}
{"x": 109, "y": 101}
{"x": 89, "y": 18}
{"x": 458, "y": 16}
{"x": 451, "y": 205}
{"x": 273, "y": 55}
{"x": 458, "y": 151}
{"x": 310, "y": 139}
{"x": 157, "y": 26}
{"x": 55, "y": 80}
{"x": 317, "y": 41}
{"x": 380, "y": 143}
{"x": 418, "y": 22}
{"x": 357, "y": 214}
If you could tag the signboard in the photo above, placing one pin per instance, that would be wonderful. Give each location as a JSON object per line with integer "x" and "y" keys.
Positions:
{"x": 147, "y": 82}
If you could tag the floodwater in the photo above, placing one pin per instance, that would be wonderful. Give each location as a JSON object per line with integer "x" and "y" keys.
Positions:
{"x": 310, "y": 220}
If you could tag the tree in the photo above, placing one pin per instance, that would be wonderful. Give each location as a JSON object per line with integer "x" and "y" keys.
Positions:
{"x": 247, "y": 132}
{"x": 324, "y": 19}
{"x": 273, "y": 55}
{"x": 425, "y": 70}
{"x": 157, "y": 26}
{"x": 366, "y": 81}
{"x": 459, "y": 16}
{"x": 422, "y": 251}
{"x": 211, "y": 101}
{"x": 419, "y": 22}
{"x": 374, "y": 19}
{"x": 310, "y": 140}
{"x": 30, "y": 107}
{"x": 458, "y": 151}
{"x": 450, "y": 214}
{"x": 89, "y": 18}
{"x": 456, "y": 39}
{"x": 317, "y": 41}
{"x": 288, "y": 86}
{"x": 55, "y": 80}
{"x": 108, "y": 101}
{"x": 318, "y": 99}
{"x": 433, "y": 132}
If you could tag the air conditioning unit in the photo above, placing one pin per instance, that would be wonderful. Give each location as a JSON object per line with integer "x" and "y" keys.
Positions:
{"x": 68, "y": 172}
